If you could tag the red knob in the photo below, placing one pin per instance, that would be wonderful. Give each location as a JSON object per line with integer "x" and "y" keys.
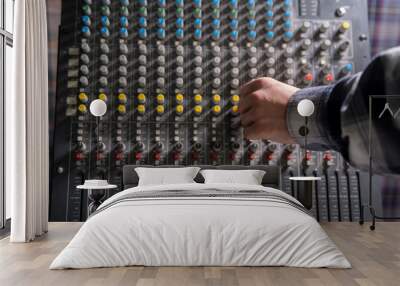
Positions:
{"x": 214, "y": 156}
{"x": 232, "y": 156}
{"x": 176, "y": 156}
{"x": 99, "y": 156}
{"x": 308, "y": 156}
{"x": 252, "y": 156}
{"x": 157, "y": 156}
{"x": 329, "y": 77}
{"x": 79, "y": 156}
{"x": 138, "y": 156}
{"x": 308, "y": 77}
{"x": 289, "y": 157}
{"x": 269, "y": 157}
{"x": 327, "y": 156}
{"x": 119, "y": 156}
{"x": 195, "y": 156}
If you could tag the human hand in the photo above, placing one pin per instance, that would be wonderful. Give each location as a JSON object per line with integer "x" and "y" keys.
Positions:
{"x": 262, "y": 107}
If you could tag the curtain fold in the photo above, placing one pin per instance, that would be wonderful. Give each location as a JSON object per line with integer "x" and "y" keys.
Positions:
{"x": 27, "y": 126}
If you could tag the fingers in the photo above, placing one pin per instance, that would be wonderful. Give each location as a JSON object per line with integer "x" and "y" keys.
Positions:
{"x": 254, "y": 131}
{"x": 247, "y": 118}
{"x": 255, "y": 85}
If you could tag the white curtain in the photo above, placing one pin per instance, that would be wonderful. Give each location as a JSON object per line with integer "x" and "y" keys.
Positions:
{"x": 27, "y": 127}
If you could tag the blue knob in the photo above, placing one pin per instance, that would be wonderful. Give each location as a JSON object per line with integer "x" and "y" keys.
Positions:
{"x": 348, "y": 68}
{"x": 287, "y": 14}
{"x": 123, "y": 32}
{"x": 85, "y": 31}
{"x": 270, "y": 35}
{"x": 123, "y": 21}
{"x": 287, "y": 25}
{"x": 269, "y": 14}
{"x": 161, "y": 22}
{"x": 252, "y": 35}
{"x": 251, "y": 3}
{"x": 142, "y": 33}
{"x": 216, "y": 23}
{"x": 234, "y": 24}
{"x": 234, "y": 35}
{"x": 197, "y": 3}
{"x": 104, "y": 32}
{"x": 179, "y": 3}
{"x": 143, "y": 2}
{"x": 197, "y": 23}
{"x": 104, "y": 21}
{"x": 233, "y": 3}
{"x": 179, "y": 22}
{"x": 161, "y": 33}
{"x": 215, "y": 3}
{"x": 269, "y": 25}
{"x": 86, "y": 20}
{"x": 197, "y": 34}
{"x": 287, "y": 4}
{"x": 252, "y": 24}
{"x": 179, "y": 33}
{"x": 288, "y": 35}
{"x": 269, "y": 3}
{"x": 162, "y": 3}
{"x": 142, "y": 22}
{"x": 216, "y": 34}
{"x": 124, "y": 2}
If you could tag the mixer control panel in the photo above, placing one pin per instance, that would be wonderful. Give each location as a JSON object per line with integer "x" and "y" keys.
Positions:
{"x": 170, "y": 73}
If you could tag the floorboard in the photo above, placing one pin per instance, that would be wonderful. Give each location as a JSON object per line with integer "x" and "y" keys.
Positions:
{"x": 375, "y": 257}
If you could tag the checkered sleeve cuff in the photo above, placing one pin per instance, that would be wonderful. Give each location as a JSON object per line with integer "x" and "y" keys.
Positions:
{"x": 317, "y": 138}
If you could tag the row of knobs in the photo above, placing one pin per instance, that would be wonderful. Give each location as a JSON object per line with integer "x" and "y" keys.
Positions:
{"x": 197, "y": 21}
{"x": 177, "y": 150}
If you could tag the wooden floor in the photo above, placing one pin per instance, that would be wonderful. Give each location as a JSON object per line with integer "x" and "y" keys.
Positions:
{"x": 375, "y": 257}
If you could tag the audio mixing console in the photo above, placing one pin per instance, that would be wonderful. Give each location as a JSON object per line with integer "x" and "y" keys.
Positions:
{"x": 170, "y": 71}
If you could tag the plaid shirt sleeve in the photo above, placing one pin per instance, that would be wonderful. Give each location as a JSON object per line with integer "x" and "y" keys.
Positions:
{"x": 341, "y": 118}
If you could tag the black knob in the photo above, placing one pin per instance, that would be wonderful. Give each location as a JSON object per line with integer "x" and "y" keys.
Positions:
{"x": 139, "y": 146}
{"x": 235, "y": 146}
{"x": 101, "y": 146}
{"x": 216, "y": 146}
{"x": 159, "y": 146}
{"x": 253, "y": 147}
{"x": 178, "y": 147}
{"x": 197, "y": 147}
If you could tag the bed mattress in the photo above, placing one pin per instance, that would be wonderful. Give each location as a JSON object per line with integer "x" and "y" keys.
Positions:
{"x": 201, "y": 225}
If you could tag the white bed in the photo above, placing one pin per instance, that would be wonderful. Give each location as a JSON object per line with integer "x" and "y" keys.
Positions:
{"x": 202, "y": 231}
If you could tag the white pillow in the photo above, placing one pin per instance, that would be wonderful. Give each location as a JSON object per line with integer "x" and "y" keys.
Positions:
{"x": 248, "y": 177}
{"x": 164, "y": 176}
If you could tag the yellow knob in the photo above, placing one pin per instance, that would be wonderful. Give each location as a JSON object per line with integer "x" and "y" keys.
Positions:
{"x": 198, "y": 109}
{"x": 160, "y": 98}
{"x": 345, "y": 26}
{"x": 216, "y": 98}
{"x": 103, "y": 96}
{"x": 122, "y": 98}
{"x": 235, "y": 99}
{"x": 121, "y": 108}
{"x": 216, "y": 109}
{"x": 198, "y": 98}
{"x": 141, "y": 97}
{"x": 141, "y": 108}
{"x": 82, "y": 108}
{"x": 235, "y": 109}
{"x": 179, "y": 109}
{"x": 179, "y": 98}
{"x": 160, "y": 109}
{"x": 83, "y": 97}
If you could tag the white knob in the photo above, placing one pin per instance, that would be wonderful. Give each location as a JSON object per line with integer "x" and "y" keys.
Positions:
{"x": 305, "y": 107}
{"x": 198, "y": 50}
{"x": 179, "y": 82}
{"x": 216, "y": 71}
{"x": 216, "y": 61}
{"x": 216, "y": 82}
{"x": 198, "y": 82}
{"x": 198, "y": 71}
{"x": 142, "y": 49}
{"x": 161, "y": 71}
{"x": 142, "y": 70}
{"x": 198, "y": 60}
{"x": 180, "y": 50}
{"x": 253, "y": 72}
{"x": 235, "y": 72}
{"x": 235, "y": 61}
{"x": 98, "y": 107}
{"x": 179, "y": 60}
{"x": 142, "y": 60}
{"x": 235, "y": 51}
{"x": 179, "y": 71}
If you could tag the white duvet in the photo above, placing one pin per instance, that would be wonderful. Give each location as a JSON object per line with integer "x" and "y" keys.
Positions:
{"x": 206, "y": 231}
